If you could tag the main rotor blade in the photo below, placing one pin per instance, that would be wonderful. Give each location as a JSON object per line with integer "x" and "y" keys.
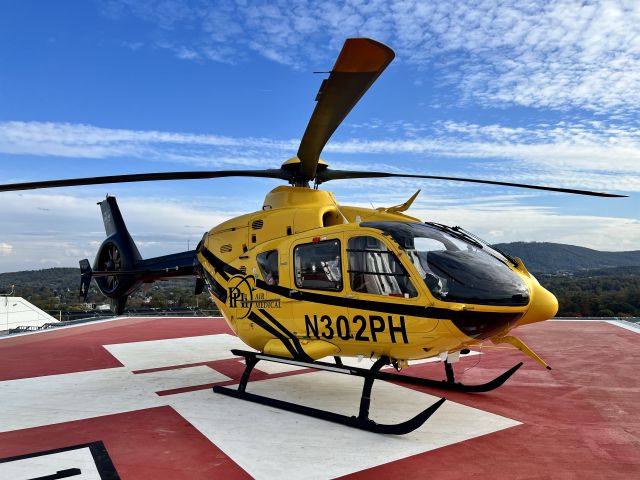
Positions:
{"x": 146, "y": 177}
{"x": 359, "y": 64}
{"x": 328, "y": 174}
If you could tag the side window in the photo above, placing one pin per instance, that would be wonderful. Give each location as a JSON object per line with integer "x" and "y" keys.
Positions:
{"x": 318, "y": 265}
{"x": 268, "y": 264}
{"x": 374, "y": 269}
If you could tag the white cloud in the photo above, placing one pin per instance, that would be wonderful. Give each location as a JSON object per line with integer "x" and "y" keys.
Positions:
{"x": 79, "y": 134}
{"x": 566, "y": 53}
{"x": 72, "y": 228}
{"x": 87, "y": 141}
{"x": 5, "y": 248}
{"x": 584, "y": 154}
{"x": 498, "y": 224}
{"x": 132, "y": 45}
{"x": 579, "y": 155}
{"x": 508, "y": 218}
{"x": 187, "y": 54}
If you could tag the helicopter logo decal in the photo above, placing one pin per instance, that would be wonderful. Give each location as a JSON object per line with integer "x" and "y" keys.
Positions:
{"x": 243, "y": 298}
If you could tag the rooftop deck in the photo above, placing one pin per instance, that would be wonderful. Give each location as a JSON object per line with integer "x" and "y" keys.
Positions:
{"x": 133, "y": 396}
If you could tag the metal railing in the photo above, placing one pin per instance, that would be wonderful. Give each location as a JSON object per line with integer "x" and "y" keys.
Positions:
{"x": 74, "y": 317}
{"x": 71, "y": 315}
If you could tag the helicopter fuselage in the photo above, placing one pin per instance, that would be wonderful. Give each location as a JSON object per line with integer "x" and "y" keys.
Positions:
{"x": 308, "y": 278}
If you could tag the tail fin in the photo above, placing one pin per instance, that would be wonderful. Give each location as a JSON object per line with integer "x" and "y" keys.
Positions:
{"x": 119, "y": 268}
{"x": 114, "y": 226}
{"x": 118, "y": 253}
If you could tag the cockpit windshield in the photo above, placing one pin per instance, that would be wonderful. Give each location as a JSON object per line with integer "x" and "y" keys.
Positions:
{"x": 455, "y": 266}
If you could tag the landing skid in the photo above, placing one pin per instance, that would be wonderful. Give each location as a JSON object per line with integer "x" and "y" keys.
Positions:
{"x": 450, "y": 383}
{"x": 362, "y": 421}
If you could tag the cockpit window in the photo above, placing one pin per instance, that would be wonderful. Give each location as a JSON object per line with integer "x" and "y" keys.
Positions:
{"x": 268, "y": 263}
{"x": 456, "y": 268}
{"x": 318, "y": 265}
{"x": 373, "y": 268}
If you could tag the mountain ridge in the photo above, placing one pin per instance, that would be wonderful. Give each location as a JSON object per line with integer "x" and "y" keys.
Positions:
{"x": 549, "y": 258}
{"x": 538, "y": 257}
{"x": 587, "y": 282}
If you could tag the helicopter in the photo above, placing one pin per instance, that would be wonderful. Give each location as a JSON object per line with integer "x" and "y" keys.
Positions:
{"x": 305, "y": 278}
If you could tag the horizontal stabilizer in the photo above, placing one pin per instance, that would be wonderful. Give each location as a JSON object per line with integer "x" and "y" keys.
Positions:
{"x": 85, "y": 278}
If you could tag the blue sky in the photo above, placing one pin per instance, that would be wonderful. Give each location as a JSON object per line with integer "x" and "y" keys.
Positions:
{"x": 533, "y": 92}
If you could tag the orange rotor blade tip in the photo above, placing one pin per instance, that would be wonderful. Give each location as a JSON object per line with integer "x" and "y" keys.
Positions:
{"x": 363, "y": 55}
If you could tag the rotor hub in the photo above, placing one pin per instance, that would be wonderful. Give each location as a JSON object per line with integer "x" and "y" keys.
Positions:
{"x": 294, "y": 165}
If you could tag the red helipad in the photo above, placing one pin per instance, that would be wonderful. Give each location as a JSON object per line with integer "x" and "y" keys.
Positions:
{"x": 132, "y": 397}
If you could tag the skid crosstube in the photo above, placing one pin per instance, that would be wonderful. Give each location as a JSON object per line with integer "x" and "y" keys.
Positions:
{"x": 448, "y": 384}
{"x": 362, "y": 421}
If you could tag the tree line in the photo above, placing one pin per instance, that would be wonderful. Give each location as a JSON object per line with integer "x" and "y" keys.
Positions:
{"x": 596, "y": 293}
{"x": 612, "y": 293}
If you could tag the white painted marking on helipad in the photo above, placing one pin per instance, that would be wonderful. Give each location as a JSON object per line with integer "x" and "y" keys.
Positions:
{"x": 32, "y": 402}
{"x": 182, "y": 377}
{"x": 174, "y": 351}
{"x": 267, "y": 442}
{"x": 633, "y": 327}
{"x": 263, "y": 440}
{"x": 46, "y": 466}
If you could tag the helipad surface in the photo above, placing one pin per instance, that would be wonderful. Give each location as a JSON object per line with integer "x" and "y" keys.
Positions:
{"x": 133, "y": 396}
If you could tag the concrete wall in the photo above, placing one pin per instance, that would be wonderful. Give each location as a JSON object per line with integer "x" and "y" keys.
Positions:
{"x": 16, "y": 312}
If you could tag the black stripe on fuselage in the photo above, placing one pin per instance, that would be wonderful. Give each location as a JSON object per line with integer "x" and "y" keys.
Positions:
{"x": 225, "y": 270}
{"x": 222, "y": 268}
{"x": 294, "y": 339}
{"x": 471, "y": 323}
{"x": 214, "y": 286}
{"x": 276, "y": 333}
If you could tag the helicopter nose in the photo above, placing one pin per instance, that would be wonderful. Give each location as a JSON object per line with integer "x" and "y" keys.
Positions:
{"x": 543, "y": 306}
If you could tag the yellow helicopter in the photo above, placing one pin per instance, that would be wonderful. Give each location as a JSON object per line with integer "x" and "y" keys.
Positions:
{"x": 305, "y": 278}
